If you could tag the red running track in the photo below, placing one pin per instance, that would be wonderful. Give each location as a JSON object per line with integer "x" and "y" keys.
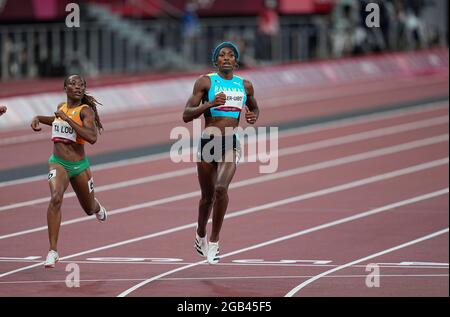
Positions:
{"x": 373, "y": 190}
{"x": 153, "y": 126}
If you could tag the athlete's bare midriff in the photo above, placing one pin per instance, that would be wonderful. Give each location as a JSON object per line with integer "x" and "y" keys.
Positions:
{"x": 69, "y": 152}
{"x": 213, "y": 124}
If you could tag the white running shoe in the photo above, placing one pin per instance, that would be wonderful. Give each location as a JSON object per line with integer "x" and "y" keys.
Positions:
{"x": 101, "y": 215}
{"x": 213, "y": 253}
{"x": 201, "y": 245}
{"x": 52, "y": 258}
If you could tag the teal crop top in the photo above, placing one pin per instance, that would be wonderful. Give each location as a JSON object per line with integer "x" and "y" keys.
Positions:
{"x": 236, "y": 96}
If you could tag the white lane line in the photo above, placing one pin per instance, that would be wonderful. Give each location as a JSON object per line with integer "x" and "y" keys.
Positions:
{"x": 296, "y": 234}
{"x": 208, "y": 278}
{"x": 264, "y": 178}
{"x": 282, "y": 152}
{"x": 340, "y": 123}
{"x": 285, "y": 265}
{"x": 287, "y": 98}
{"x": 277, "y": 203}
{"x": 293, "y": 291}
{"x": 340, "y": 93}
{"x": 99, "y": 189}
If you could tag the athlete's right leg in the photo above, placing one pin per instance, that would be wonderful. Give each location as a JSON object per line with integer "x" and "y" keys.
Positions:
{"x": 58, "y": 181}
{"x": 207, "y": 175}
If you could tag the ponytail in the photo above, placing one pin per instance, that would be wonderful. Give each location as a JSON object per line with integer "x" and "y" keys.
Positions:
{"x": 93, "y": 103}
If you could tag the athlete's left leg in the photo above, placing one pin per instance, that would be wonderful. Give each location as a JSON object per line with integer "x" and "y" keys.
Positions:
{"x": 225, "y": 173}
{"x": 83, "y": 186}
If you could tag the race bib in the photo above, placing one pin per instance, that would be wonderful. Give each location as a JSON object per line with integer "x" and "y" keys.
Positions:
{"x": 61, "y": 130}
{"x": 234, "y": 101}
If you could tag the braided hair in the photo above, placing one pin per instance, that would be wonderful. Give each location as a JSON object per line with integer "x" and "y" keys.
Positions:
{"x": 92, "y": 103}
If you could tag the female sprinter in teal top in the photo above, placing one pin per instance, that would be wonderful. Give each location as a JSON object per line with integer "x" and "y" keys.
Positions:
{"x": 220, "y": 97}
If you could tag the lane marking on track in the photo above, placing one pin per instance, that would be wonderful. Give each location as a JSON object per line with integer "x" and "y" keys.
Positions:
{"x": 233, "y": 263}
{"x": 264, "y": 178}
{"x": 317, "y": 145}
{"x": 208, "y": 278}
{"x": 340, "y": 123}
{"x": 415, "y": 264}
{"x": 269, "y": 101}
{"x": 319, "y": 193}
{"x": 296, "y": 234}
{"x": 296, "y": 289}
{"x": 13, "y": 259}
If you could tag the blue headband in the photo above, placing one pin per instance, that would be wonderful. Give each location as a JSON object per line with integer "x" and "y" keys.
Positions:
{"x": 222, "y": 45}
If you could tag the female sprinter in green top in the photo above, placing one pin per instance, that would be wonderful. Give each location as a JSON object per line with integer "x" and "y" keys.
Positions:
{"x": 74, "y": 123}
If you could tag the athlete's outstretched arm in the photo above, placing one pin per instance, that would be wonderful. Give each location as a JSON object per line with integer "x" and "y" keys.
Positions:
{"x": 47, "y": 120}
{"x": 88, "y": 131}
{"x": 193, "y": 108}
{"x": 252, "y": 110}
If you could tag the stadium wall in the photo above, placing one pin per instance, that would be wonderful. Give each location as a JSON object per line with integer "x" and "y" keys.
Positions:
{"x": 175, "y": 90}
